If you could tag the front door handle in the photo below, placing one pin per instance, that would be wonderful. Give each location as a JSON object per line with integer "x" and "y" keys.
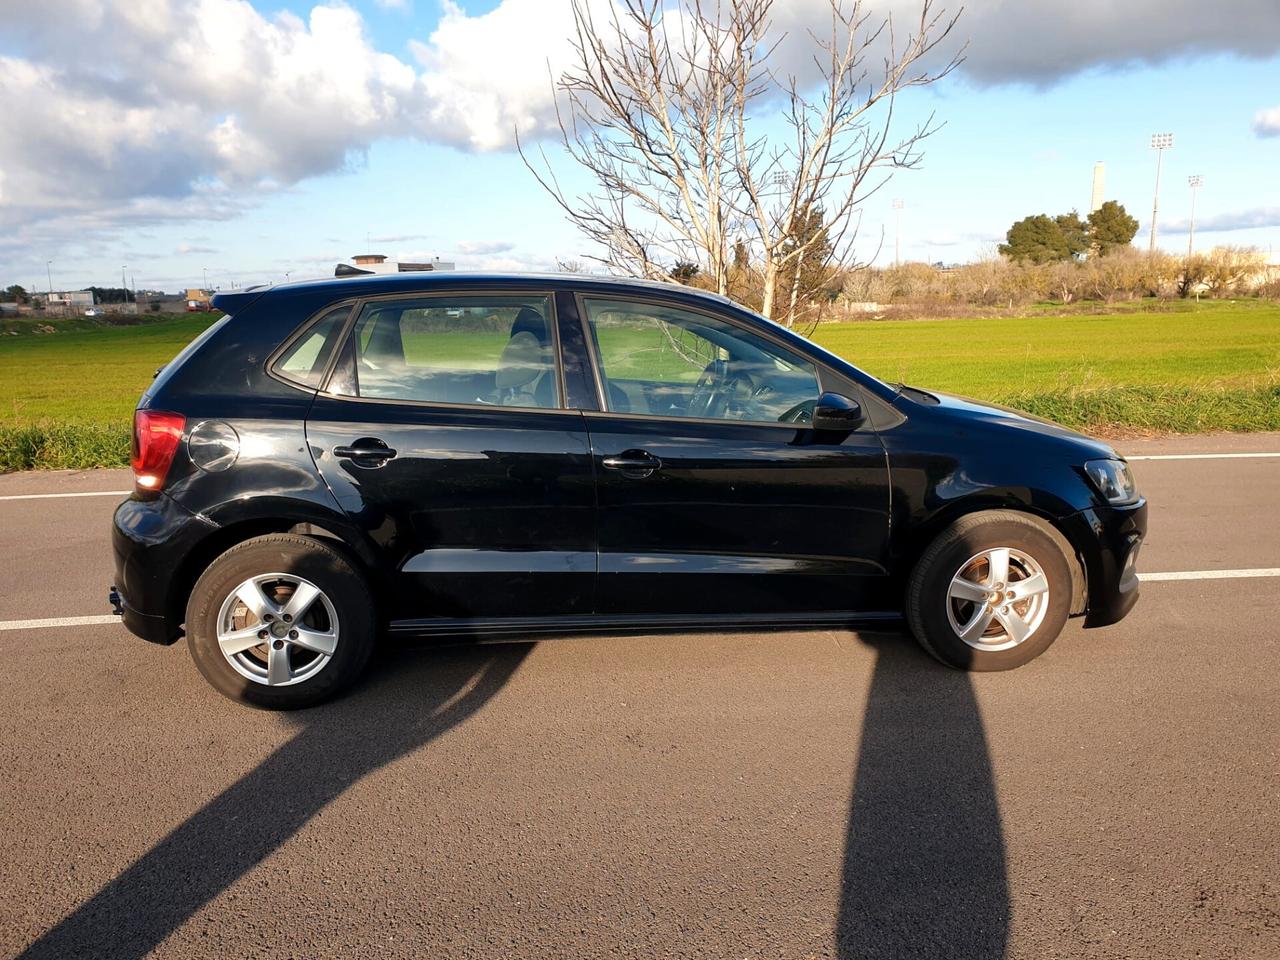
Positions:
{"x": 365, "y": 452}
{"x": 633, "y": 464}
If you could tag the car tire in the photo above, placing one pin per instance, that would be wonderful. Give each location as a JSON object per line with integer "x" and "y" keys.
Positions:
{"x": 281, "y": 621}
{"x": 969, "y": 614}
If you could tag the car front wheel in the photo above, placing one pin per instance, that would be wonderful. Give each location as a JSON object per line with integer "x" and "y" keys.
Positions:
{"x": 281, "y": 621}
{"x": 992, "y": 592}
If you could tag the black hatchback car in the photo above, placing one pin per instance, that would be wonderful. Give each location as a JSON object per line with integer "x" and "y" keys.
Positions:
{"x": 445, "y": 454}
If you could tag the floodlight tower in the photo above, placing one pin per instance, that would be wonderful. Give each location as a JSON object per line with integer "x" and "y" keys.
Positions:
{"x": 897, "y": 235}
{"x": 1194, "y": 181}
{"x": 1160, "y": 142}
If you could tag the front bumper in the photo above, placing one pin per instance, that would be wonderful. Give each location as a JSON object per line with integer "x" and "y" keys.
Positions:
{"x": 1109, "y": 539}
{"x": 151, "y": 539}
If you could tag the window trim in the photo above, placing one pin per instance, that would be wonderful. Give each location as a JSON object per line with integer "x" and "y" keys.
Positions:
{"x": 551, "y": 320}
{"x": 303, "y": 329}
{"x": 597, "y": 366}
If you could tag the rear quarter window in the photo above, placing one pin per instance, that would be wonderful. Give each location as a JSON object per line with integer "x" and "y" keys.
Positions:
{"x": 305, "y": 359}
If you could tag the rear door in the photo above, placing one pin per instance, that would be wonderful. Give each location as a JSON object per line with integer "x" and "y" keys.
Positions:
{"x": 715, "y": 497}
{"x": 442, "y": 431}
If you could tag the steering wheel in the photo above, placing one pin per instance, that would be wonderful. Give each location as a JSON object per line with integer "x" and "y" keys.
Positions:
{"x": 801, "y": 413}
{"x": 716, "y": 389}
{"x": 705, "y": 402}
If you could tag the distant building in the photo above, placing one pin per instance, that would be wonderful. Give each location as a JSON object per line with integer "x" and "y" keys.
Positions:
{"x": 73, "y": 299}
{"x": 380, "y": 263}
{"x": 198, "y": 300}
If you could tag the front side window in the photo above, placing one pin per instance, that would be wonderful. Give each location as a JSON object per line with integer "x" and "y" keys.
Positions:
{"x": 486, "y": 351}
{"x": 663, "y": 361}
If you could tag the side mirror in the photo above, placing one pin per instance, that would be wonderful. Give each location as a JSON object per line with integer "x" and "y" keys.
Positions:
{"x": 834, "y": 411}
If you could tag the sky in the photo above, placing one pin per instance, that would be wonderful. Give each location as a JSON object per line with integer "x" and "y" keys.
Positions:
{"x": 249, "y": 142}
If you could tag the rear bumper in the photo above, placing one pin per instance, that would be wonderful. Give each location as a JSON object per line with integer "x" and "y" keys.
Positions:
{"x": 1110, "y": 539}
{"x": 150, "y": 539}
{"x": 153, "y": 629}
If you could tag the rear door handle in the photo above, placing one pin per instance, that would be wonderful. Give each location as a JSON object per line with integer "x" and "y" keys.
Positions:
{"x": 633, "y": 464}
{"x": 365, "y": 452}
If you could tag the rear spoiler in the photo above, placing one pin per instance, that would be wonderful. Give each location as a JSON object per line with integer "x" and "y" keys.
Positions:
{"x": 234, "y": 300}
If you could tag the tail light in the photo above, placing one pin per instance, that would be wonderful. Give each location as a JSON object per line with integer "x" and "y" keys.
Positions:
{"x": 156, "y": 436}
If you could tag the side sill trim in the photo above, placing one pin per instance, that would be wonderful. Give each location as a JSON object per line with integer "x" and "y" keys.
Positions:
{"x": 517, "y": 627}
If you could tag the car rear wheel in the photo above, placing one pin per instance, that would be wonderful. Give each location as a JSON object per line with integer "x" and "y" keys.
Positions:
{"x": 991, "y": 593}
{"x": 281, "y": 621}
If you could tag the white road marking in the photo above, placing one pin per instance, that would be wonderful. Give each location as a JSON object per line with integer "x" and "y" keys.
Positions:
{"x": 1206, "y": 456}
{"x": 1211, "y": 574}
{"x": 1144, "y": 577}
{"x": 58, "y": 622}
{"x": 55, "y": 496}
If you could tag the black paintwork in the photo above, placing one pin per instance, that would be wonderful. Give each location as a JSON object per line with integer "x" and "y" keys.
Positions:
{"x": 508, "y": 521}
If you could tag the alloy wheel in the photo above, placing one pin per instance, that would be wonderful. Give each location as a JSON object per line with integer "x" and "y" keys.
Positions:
{"x": 997, "y": 599}
{"x": 277, "y": 629}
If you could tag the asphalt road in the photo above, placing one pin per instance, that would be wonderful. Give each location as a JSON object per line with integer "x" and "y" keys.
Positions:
{"x": 818, "y": 794}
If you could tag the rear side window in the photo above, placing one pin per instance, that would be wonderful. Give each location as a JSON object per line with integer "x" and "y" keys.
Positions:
{"x": 304, "y": 361}
{"x": 477, "y": 350}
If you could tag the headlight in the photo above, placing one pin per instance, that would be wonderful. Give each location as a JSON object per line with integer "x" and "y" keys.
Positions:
{"x": 1113, "y": 480}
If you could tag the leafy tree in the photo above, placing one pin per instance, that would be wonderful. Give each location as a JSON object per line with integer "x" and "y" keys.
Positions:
{"x": 684, "y": 271}
{"x": 15, "y": 294}
{"x": 112, "y": 295}
{"x": 1075, "y": 232}
{"x": 1110, "y": 226}
{"x": 1037, "y": 238}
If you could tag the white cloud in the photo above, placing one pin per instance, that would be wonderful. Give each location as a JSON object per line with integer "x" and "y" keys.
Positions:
{"x": 1258, "y": 217}
{"x": 1042, "y": 41}
{"x": 485, "y": 75}
{"x": 485, "y": 247}
{"x": 202, "y": 106}
{"x": 1266, "y": 123}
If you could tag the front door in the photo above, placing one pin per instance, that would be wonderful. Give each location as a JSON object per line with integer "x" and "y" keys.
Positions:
{"x": 714, "y": 496}
{"x": 442, "y": 432}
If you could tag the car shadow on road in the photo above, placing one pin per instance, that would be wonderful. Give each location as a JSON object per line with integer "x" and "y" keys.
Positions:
{"x": 409, "y": 698}
{"x": 923, "y": 870}
{"x": 924, "y": 866}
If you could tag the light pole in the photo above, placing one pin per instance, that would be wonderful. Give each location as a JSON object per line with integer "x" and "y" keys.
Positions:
{"x": 205, "y": 288}
{"x": 124, "y": 288}
{"x": 48, "y": 272}
{"x": 1160, "y": 142}
{"x": 1194, "y": 182}
{"x": 897, "y": 233}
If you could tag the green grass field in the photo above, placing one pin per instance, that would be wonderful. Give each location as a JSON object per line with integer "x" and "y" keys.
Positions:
{"x": 66, "y": 398}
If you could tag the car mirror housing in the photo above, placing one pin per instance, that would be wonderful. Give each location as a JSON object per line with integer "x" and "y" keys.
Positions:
{"x": 835, "y": 411}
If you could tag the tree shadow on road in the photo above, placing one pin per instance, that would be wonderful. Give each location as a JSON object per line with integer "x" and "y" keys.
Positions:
{"x": 410, "y": 698}
{"x": 924, "y": 865}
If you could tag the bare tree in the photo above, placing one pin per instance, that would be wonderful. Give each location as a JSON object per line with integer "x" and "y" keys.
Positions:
{"x": 663, "y": 107}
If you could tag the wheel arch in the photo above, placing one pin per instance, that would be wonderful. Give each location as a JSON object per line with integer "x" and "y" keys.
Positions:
{"x": 332, "y": 529}
{"x": 924, "y": 533}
